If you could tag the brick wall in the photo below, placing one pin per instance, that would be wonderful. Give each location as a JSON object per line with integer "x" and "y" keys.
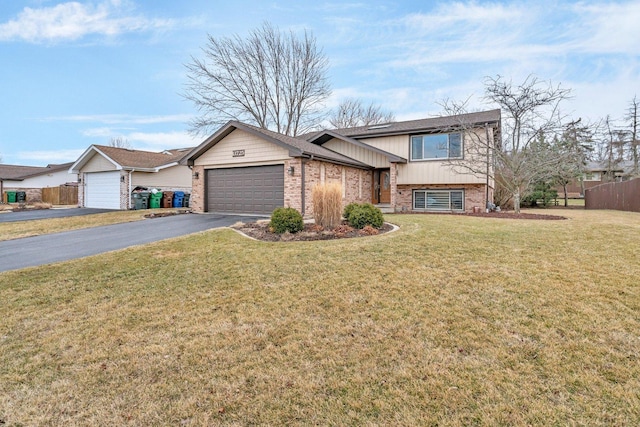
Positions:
{"x": 356, "y": 184}
{"x": 474, "y": 195}
{"x": 197, "y": 199}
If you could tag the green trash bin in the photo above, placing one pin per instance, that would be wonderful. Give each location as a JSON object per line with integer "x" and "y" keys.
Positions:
{"x": 11, "y": 196}
{"x": 155, "y": 200}
{"x": 21, "y": 196}
{"x": 140, "y": 200}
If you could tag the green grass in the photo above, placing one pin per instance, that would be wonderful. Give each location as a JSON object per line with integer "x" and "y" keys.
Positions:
{"x": 18, "y": 229}
{"x": 451, "y": 320}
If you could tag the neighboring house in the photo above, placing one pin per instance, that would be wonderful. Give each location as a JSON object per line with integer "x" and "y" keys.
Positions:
{"x": 400, "y": 166}
{"x": 32, "y": 179}
{"x": 108, "y": 175}
{"x": 597, "y": 173}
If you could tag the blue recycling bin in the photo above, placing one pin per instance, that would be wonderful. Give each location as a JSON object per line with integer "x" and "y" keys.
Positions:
{"x": 178, "y": 199}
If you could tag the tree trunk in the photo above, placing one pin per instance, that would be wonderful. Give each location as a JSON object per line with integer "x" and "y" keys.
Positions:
{"x": 516, "y": 202}
{"x": 566, "y": 199}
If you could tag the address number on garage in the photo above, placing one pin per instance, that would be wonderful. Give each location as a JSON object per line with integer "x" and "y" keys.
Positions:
{"x": 238, "y": 153}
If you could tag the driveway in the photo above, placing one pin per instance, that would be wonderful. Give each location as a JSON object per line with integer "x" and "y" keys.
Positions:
{"x": 49, "y": 248}
{"x": 29, "y": 215}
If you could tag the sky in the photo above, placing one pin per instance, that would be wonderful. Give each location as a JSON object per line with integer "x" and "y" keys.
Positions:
{"x": 78, "y": 73}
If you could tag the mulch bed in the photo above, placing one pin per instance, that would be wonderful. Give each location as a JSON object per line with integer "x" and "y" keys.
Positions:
{"x": 513, "y": 215}
{"x": 260, "y": 231}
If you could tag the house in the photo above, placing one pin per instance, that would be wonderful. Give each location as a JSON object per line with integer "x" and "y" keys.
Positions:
{"x": 32, "y": 179}
{"x": 596, "y": 173}
{"x": 400, "y": 166}
{"x": 108, "y": 175}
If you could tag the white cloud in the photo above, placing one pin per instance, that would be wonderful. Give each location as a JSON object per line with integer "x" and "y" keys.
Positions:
{"x": 74, "y": 20}
{"x": 124, "y": 119}
{"x": 157, "y": 141}
{"x": 52, "y": 156}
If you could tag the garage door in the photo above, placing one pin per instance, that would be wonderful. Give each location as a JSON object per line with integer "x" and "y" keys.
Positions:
{"x": 102, "y": 190}
{"x": 255, "y": 189}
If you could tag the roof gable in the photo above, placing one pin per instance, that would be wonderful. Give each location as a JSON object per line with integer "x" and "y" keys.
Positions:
{"x": 328, "y": 135}
{"x": 296, "y": 147}
{"x": 128, "y": 159}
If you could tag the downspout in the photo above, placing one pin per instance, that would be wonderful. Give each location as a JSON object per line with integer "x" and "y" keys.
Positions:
{"x": 486, "y": 196}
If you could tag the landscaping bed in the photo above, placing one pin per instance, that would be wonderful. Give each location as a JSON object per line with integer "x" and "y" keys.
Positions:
{"x": 260, "y": 231}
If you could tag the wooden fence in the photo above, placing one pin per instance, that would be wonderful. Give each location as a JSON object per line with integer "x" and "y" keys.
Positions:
{"x": 63, "y": 195}
{"x": 621, "y": 196}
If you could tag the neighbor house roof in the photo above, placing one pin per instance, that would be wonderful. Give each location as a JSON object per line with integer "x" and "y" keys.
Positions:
{"x": 491, "y": 117}
{"x": 20, "y": 173}
{"x": 625, "y": 166}
{"x": 297, "y": 147}
{"x": 129, "y": 159}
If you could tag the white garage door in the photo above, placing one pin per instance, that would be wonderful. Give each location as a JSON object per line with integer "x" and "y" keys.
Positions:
{"x": 102, "y": 190}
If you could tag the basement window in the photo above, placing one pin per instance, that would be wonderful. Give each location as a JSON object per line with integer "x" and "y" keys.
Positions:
{"x": 438, "y": 200}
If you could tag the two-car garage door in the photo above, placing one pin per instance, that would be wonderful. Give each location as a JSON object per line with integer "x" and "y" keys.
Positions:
{"x": 102, "y": 190}
{"x": 253, "y": 189}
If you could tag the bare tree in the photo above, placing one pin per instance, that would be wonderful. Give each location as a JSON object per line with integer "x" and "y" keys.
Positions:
{"x": 119, "y": 142}
{"x": 351, "y": 113}
{"x": 516, "y": 160}
{"x": 271, "y": 79}
{"x": 632, "y": 120}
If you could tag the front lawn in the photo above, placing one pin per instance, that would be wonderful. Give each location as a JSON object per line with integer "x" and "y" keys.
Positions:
{"x": 452, "y": 320}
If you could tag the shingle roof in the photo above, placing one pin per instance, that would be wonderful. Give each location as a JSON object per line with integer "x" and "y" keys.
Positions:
{"x": 305, "y": 147}
{"x": 19, "y": 173}
{"x": 297, "y": 147}
{"x": 410, "y": 126}
{"x": 128, "y": 158}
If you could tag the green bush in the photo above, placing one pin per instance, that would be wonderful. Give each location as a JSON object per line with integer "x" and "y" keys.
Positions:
{"x": 364, "y": 214}
{"x": 286, "y": 219}
{"x": 347, "y": 210}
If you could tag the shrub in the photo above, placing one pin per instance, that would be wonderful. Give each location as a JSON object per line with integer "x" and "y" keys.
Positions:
{"x": 327, "y": 204}
{"x": 363, "y": 215}
{"x": 286, "y": 219}
{"x": 347, "y": 209}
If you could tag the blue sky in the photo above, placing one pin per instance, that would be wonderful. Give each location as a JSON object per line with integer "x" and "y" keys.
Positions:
{"x": 74, "y": 74}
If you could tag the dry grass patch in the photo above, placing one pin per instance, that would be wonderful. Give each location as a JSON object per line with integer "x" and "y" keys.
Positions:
{"x": 452, "y": 320}
{"x": 18, "y": 229}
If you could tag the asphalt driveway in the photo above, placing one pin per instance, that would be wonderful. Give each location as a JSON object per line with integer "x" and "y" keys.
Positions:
{"x": 49, "y": 248}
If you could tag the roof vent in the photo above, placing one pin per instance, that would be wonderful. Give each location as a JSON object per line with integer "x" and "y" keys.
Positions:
{"x": 378, "y": 127}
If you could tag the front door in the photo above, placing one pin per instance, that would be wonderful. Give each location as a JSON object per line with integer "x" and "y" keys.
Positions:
{"x": 385, "y": 186}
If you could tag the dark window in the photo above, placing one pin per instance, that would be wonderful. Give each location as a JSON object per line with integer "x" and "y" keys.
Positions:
{"x": 436, "y": 146}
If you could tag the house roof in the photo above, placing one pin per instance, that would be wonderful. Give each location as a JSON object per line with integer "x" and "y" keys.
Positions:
{"x": 624, "y": 166}
{"x": 324, "y": 136}
{"x": 297, "y": 147}
{"x": 491, "y": 117}
{"x": 129, "y": 159}
{"x": 20, "y": 173}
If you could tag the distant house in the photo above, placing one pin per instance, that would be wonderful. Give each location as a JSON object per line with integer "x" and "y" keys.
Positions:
{"x": 32, "y": 179}
{"x": 597, "y": 173}
{"x": 399, "y": 166}
{"x": 108, "y": 175}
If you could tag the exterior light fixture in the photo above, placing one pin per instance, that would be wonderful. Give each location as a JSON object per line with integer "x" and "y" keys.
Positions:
{"x": 196, "y": 175}
{"x": 291, "y": 170}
